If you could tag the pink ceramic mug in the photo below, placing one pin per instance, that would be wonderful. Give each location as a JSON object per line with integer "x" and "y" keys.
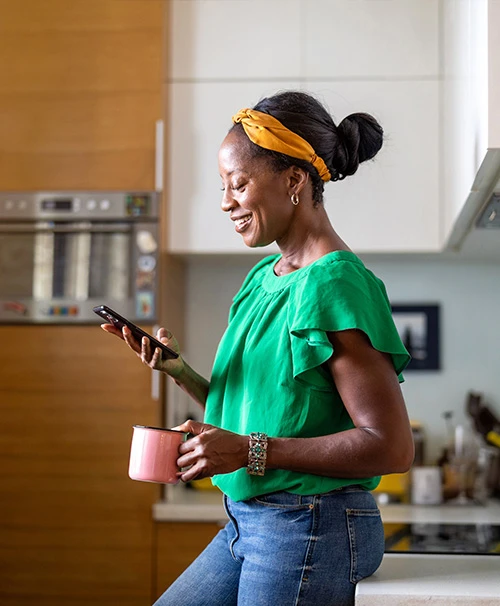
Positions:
{"x": 154, "y": 453}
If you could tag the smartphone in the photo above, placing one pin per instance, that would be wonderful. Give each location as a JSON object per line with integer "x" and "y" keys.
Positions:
{"x": 112, "y": 317}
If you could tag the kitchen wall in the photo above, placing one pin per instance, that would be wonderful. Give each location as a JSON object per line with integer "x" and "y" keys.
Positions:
{"x": 469, "y": 295}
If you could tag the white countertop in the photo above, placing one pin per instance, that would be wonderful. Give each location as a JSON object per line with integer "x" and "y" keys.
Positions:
{"x": 442, "y": 514}
{"x": 447, "y": 580}
{"x": 190, "y": 505}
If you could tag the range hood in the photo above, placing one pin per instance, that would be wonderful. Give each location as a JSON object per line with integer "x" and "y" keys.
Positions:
{"x": 476, "y": 231}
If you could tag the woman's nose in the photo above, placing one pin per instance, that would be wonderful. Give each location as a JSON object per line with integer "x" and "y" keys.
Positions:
{"x": 228, "y": 202}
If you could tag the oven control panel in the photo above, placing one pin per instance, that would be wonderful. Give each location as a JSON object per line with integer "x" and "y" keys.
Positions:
{"x": 78, "y": 205}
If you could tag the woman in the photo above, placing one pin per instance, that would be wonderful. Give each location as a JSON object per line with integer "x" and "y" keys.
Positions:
{"x": 303, "y": 411}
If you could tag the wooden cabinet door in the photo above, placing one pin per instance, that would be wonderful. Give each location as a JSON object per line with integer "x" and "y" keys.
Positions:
{"x": 177, "y": 545}
{"x": 74, "y": 528}
{"x": 80, "y": 92}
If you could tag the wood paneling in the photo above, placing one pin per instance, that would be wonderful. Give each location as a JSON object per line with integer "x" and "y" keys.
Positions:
{"x": 80, "y": 92}
{"x": 70, "y": 124}
{"x": 117, "y": 169}
{"x": 79, "y": 15}
{"x": 177, "y": 545}
{"x": 73, "y": 525}
{"x": 74, "y": 61}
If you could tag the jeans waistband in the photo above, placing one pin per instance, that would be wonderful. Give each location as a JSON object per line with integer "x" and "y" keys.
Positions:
{"x": 288, "y": 498}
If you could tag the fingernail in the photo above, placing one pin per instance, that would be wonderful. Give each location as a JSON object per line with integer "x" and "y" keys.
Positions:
{"x": 169, "y": 334}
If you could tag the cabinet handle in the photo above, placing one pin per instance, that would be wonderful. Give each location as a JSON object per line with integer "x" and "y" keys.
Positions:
{"x": 155, "y": 376}
{"x": 155, "y": 385}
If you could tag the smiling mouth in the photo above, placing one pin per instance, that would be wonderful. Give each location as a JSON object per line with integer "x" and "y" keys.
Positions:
{"x": 241, "y": 224}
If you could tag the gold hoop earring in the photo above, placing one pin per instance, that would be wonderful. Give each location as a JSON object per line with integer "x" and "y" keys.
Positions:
{"x": 295, "y": 199}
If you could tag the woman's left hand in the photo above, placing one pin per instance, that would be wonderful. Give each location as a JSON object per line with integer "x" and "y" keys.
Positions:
{"x": 211, "y": 451}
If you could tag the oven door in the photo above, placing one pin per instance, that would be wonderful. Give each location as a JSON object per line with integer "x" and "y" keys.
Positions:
{"x": 57, "y": 271}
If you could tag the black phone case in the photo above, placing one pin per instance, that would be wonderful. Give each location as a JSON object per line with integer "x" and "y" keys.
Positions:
{"x": 112, "y": 317}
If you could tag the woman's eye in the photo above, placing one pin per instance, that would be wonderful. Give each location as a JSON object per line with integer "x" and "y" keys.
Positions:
{"x": 239, "y": 187}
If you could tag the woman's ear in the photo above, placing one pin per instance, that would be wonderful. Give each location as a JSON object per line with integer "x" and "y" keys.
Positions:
{"x": 297, "y": 179}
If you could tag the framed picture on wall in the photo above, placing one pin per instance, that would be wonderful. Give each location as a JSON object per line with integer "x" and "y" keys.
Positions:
{"x": 418, "y": 327}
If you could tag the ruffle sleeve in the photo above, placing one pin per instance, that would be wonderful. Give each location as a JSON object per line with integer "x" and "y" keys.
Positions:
{"x": 339, "y": 296}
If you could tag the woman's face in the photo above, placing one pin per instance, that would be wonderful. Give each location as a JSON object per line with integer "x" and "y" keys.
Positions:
{"x": 256, "y": 198}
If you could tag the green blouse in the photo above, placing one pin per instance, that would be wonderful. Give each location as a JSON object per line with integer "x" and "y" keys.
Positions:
{"x": 269, "y": 372}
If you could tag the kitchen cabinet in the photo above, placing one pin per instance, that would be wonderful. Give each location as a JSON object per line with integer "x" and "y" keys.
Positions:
{"x": 471, "y": 127}
{"x": 282, "y": 39}
{"x": 80, "y": 91}
{"x": 80, "y": 94}
{"x": 381, "y": 58}
{"x": 360, "y": 39}
{"x": 390, "y": 205}
{"x": 221, "y": 40}
{"x": 75, "y": 529}
{"x": 199, "y": 117}
{"x": 176, "y": 546}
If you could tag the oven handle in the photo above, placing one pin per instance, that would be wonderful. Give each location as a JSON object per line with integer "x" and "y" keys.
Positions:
{"x": 84, "y": 226}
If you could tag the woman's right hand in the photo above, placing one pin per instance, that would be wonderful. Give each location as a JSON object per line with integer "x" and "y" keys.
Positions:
{"x": 150, "y": 356}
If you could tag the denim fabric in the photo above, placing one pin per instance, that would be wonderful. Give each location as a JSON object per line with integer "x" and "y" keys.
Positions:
{"x": 283, "y": 549}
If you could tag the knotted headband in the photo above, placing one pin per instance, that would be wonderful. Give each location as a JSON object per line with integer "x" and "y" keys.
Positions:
{"x": 267, "y": 132}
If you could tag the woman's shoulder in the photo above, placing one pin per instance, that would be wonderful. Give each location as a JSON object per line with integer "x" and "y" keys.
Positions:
{"x": 338, "y": 282}
{"x": 339, "y": 268}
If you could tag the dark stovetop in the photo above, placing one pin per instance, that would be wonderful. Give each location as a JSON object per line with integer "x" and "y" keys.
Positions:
{"x": 481, "y": 539}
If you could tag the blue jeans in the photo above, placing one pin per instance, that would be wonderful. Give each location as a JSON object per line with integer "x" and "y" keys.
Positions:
{"x": 283, "y": 549}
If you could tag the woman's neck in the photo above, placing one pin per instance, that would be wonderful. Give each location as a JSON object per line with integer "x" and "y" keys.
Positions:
{"x": 308, "y": 243}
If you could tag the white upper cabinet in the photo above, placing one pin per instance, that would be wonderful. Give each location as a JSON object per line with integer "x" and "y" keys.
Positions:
{"x": 374, "y": 56}
{"x": 471, "y": 125}
{"x": 493, "y": 74}
{"x": 465, "y": 100}
{"x": 199, "y": 119}
{"x": 391, "y": 203}
{"x": 234, "y": 39}
{"x": 371, "y": 38}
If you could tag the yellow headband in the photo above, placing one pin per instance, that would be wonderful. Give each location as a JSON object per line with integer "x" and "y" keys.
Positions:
{"x": 267, "y": 132}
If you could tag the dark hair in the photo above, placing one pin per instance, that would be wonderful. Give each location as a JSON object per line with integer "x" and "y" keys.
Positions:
{"x": 357, "y": 138}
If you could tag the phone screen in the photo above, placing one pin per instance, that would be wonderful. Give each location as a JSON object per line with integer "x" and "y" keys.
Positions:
{"x": 113, "y": 317}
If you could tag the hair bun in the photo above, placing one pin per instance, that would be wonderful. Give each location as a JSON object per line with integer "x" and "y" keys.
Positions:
{"x": 362, "y": 137}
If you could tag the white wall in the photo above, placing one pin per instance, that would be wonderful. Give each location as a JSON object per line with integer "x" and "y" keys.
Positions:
{"x": 469, "y": 295}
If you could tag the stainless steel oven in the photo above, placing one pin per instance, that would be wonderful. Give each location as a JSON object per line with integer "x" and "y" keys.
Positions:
{"x": 61, "y": 253}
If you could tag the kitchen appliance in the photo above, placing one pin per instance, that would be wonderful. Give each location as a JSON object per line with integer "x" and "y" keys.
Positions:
{"x": 480, "y": 539}
{"x": 62, "y": 253}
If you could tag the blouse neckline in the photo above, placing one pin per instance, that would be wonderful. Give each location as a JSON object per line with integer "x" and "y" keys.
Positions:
{"x": 272, "y": 282}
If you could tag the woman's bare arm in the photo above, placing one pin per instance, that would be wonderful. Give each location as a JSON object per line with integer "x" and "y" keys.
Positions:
{"x": 381, "y": 441}
{"x": 184, "y": 376}
{"x": 193, "y": 384}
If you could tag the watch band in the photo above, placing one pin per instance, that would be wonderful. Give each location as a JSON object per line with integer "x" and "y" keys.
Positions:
{"x": 257, "y": 454}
